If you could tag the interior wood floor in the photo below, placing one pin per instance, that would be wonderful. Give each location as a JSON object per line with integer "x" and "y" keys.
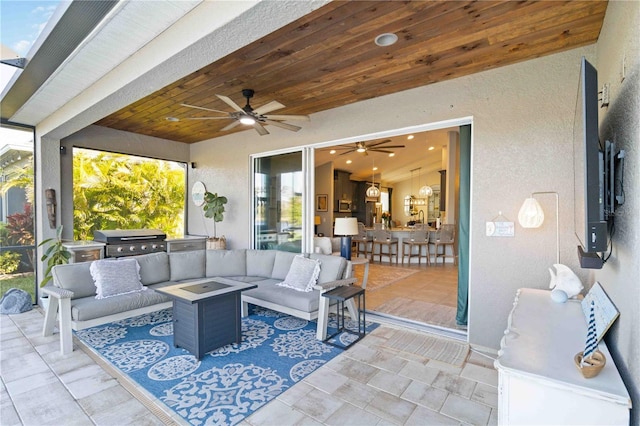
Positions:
{"x": 428, "y": 296}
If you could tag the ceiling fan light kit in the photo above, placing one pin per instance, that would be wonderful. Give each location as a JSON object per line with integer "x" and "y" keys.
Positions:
{"x": 249, "y": 116}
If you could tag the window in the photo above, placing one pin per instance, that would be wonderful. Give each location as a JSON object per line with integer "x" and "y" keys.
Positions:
{"x": 17, "y": 232}
{"x": 278, "y": 199}
{"x": 118, "y": 191}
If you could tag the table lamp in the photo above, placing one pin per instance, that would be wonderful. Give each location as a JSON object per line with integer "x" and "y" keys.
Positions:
{"x": 316, "y": 222}
{"x": 346, "y": 227}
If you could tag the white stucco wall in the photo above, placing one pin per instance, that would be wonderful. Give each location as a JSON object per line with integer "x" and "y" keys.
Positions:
{"x": 620, "y": 42}
{"x": 522, "y": 142}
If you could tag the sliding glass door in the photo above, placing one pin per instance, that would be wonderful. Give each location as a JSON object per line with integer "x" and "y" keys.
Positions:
{"x": 278, "y": 200}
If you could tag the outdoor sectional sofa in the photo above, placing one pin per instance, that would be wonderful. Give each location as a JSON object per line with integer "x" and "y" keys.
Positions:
{"x": 73, "y": 303}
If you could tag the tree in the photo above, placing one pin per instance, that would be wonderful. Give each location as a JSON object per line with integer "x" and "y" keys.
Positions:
{"x": 114, "y": 191}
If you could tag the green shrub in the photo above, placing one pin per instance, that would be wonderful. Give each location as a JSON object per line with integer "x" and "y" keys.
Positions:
{"x": 9, "y": 262}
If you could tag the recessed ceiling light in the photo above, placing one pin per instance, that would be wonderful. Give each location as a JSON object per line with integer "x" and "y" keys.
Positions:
{"x": 172, "y": 119}
{"x": 386, "y": 39}
{"x": 333, "y": 151}
{"x": 349, "y": 161}
{"x": 410, "y": 137}
{"x": 431, "y": 148}
{"x": 375, "y": 168}
{"x": 392, "y": 154}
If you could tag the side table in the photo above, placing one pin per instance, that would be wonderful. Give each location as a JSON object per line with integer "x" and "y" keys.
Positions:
{"x": 341, "y": 295}
{"x": 365, "y": 262}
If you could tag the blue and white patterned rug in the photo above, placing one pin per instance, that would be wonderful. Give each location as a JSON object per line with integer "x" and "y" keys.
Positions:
{"x": 228, "y": 384}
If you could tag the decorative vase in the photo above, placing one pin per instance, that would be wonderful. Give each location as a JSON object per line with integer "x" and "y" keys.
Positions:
{"x": 592, "y": 366}
{"x": 217, "y": 243}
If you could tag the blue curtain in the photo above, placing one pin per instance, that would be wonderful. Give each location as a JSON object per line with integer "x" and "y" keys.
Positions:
{"x": 463, "y": 225}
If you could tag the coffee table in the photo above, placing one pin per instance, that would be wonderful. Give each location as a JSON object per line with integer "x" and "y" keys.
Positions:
{"x": 206, "y": 313}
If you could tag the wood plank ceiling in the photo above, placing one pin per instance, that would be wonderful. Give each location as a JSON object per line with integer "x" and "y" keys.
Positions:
{"x": 328, "y": 58}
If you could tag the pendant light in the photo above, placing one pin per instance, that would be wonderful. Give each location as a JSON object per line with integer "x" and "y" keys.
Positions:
{"x": 373, "y": 191}
{"x": 426, "y": 191}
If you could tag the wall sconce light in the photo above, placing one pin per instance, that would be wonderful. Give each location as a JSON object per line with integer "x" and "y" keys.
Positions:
{"x": 531, "y": 215}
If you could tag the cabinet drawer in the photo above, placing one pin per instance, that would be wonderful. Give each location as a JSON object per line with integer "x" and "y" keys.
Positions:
{"x": 186, "y": 245}
{"x": 86, "y": 255}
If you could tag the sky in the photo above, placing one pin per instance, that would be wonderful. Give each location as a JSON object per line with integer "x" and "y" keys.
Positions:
{"x": 21, "y": 21}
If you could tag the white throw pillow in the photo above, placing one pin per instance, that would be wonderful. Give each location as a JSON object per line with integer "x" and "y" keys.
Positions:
{"x": 302, "y": 275}
{"x": 114, "y": 278}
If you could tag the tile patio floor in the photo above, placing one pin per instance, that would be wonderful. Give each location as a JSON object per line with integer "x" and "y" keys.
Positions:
{"x": 367, "y": 385}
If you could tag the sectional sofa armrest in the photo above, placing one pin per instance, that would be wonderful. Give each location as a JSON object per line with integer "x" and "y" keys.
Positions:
{"x": 331, "y": 284}
{"x": 58, "y": 293}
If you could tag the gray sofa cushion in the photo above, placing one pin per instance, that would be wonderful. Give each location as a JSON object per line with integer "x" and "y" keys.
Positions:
{"x": 260, "y": 262}
{"x": 185, "y": 265}
{"x": 75, "y": 277}
{"x": 282, "y": 264}
{"x": 226, "y": 263}
{"x": 269, "y": 291}
{"x": 154, "y": 267}
{"x": 88, "y": 308}
{"x": 331, "y": 267}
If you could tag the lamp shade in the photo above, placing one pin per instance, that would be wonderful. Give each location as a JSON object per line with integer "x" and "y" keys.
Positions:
{"x": 346, "y": 226}
{"x": 373, "y": 192}
{"x": 316, "y": 220}
{"x": 426, "y": 191}
{"x": 530, "y": 214}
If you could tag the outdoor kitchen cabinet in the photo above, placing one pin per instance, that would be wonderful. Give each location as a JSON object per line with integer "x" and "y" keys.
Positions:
{"x": 84, "y": 251}
{"x": 186, "y": 243}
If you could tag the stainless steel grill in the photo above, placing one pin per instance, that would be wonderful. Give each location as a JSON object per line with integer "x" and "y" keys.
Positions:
{"x": 131, "y": 242}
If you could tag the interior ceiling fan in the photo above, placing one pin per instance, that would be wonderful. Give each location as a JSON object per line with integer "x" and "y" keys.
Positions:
{"x": 363, "y": 147}
{"x": 251, "y": 117}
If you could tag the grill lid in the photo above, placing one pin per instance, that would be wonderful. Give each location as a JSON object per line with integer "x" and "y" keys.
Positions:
{"x": 117, "y": 236}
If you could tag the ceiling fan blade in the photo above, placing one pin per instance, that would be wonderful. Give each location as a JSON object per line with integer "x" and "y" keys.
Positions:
{"x": 271, "y": 106}
{"x": 260, "y": 129}
{"x": 378, "y": 143}
{"x": 388, "y": 146}
{"x": 207, "y": 118}
{"x": 227, "y": 100}
{"x": 289, "y": 117}
{"x": 381, "y": 150}
{"x": 230, "y": 126}
{"x": 283, "y": 125}
{"x": 347, "y": 152}
{"x": 205, "y": 109}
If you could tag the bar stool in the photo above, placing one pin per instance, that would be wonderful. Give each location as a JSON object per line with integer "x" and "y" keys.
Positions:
{"x": 417, "y": 238}
{"x": 362, "y": 239}
{"x": 383, "y": 238}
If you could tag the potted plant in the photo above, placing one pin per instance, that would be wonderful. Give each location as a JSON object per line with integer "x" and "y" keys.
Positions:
{"x": 55, "y": 254}
{"x": 214, "y": 209}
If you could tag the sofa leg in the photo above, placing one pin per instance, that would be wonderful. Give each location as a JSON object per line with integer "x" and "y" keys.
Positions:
{"x": 353, "y": 311}
{"x": 323, "y": 318}
{"x": 50, "y": 316}
{"x": 245, "y": 309}
{"x": 66, "y": 337}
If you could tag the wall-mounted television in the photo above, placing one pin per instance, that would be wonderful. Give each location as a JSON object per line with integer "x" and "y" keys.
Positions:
{"x": 594, "y": 174}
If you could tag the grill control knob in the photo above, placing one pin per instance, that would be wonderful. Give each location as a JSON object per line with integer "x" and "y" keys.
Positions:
{"x": 132, "y": 248}
{"x": 120, "y": 249}
{"x": 143, "y": 247}
{"x": 154, "y": 246}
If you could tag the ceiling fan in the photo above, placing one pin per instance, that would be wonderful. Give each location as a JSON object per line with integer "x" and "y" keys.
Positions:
{"x": 251, "y": 117}
{"x": 363, "y": 147}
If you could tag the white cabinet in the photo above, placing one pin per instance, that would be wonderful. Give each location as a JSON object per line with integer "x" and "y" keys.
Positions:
{"x": 538, "y": 380}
